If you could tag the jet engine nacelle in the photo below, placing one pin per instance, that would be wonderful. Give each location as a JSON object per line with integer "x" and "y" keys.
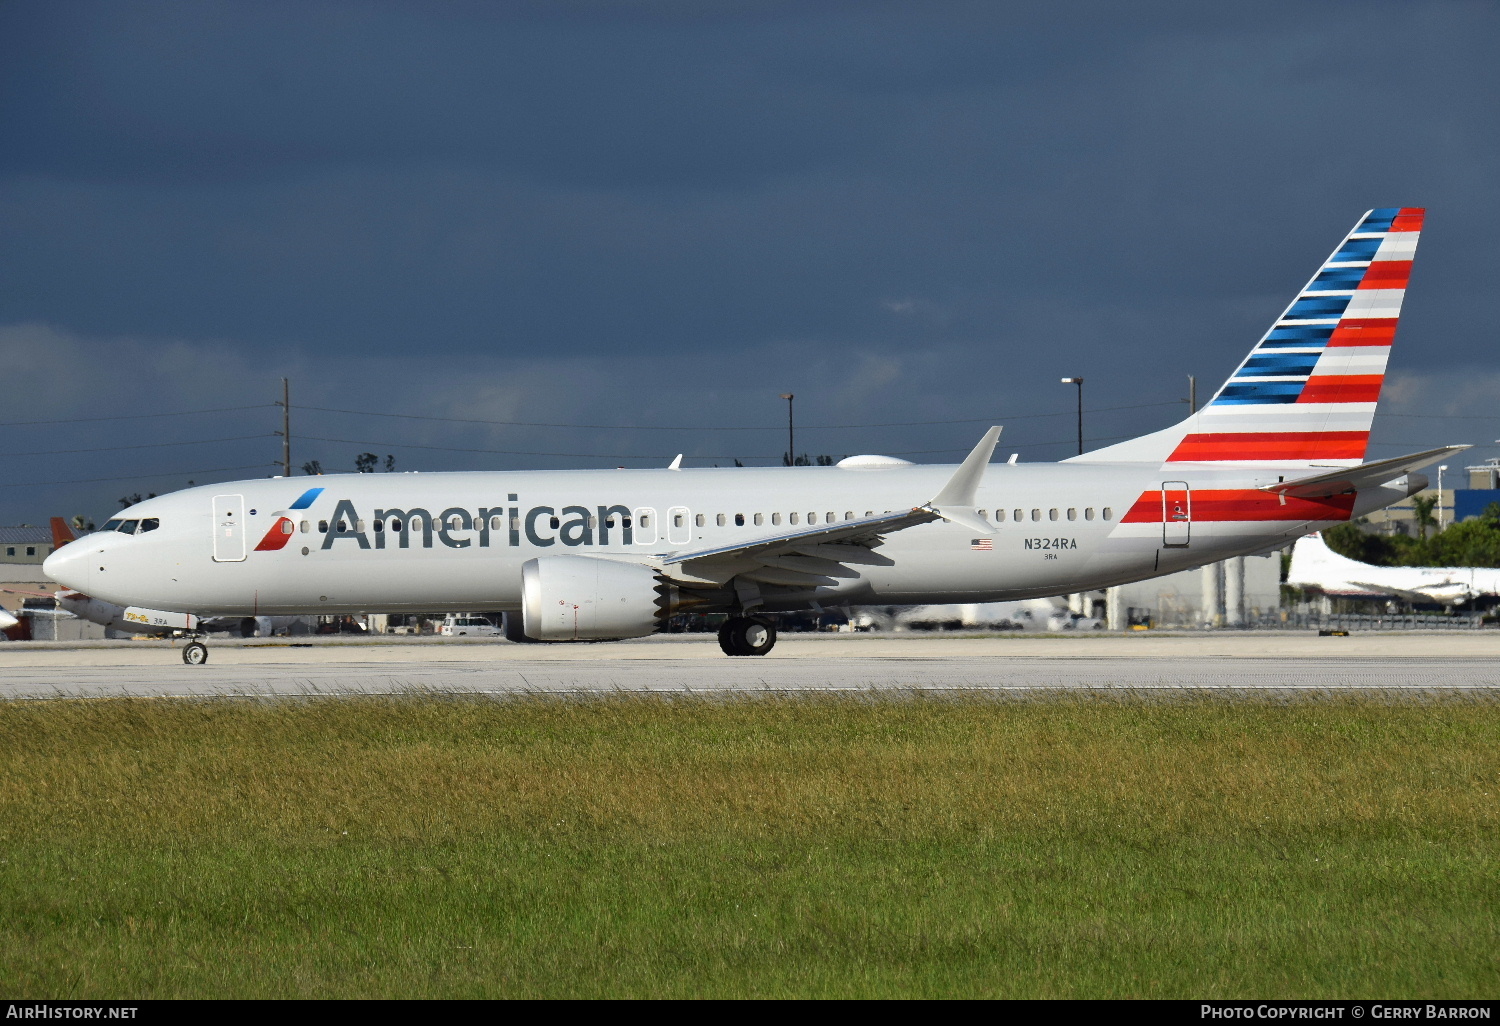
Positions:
{"x": 584, "y": 598}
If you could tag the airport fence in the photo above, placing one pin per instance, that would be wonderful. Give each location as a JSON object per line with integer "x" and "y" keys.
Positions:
{"x": 1376, "y": 622}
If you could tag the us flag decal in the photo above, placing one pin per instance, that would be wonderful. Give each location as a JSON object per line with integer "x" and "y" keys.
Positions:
{"x": 982, "y": 544}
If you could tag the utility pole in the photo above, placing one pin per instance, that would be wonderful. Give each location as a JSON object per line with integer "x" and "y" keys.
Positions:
{"x": 1079, "y": 383}
{"x": 286, "y": 428}
{"x": 791, "y": 434}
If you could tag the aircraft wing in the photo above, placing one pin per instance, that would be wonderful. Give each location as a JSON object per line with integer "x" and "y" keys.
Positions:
{"x": 1417, "y": 595}
{"x": 1366, "y": 475}
{"x": 818, "y": 555}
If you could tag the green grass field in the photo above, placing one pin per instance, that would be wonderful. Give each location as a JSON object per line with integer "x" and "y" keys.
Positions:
{"x": 756, "y": 847}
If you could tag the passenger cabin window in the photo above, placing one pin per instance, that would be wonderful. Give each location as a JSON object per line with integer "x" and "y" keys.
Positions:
{"x": 676, "y": 520}
{"x": 776, "y": 519}
{"x": 497, "y": 523}
{"x": 556, "y": 523}
{"x": 1109, "y": 514}
{"x": 1052, "y": 514}
{"x": 812, "y": 518}
{"x": 698, "y": 519}
{"x": 719, "y": 520}
{"x": 305, "y": 527}
{"x": 1000, "y": 516}
{"x": 1072, "y": 514}
{"x": 1036, "y": 514}
{"x": 739, "y": 520}
{"x": 760, "y": 518}
{"x": 1020, "y": 515}
{"x": 322, "y": 527}
{"x": 849, "y": 515}
{"x": 984, "y": 512}
{"x": 1088, "y": 512}
{"x": 646, "y": 520}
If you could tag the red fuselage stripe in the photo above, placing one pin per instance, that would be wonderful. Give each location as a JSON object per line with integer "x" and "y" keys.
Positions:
{"x": 1243, "y": 504}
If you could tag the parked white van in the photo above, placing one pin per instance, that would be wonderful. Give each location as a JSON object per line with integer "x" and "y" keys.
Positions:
{"x": 478, "y": 626}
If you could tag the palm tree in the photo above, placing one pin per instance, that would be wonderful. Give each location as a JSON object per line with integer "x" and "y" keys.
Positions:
{"x": 1422, "y": 507}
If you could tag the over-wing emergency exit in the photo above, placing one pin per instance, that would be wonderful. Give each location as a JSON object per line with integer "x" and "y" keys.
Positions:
{"x": 594, "y": 555}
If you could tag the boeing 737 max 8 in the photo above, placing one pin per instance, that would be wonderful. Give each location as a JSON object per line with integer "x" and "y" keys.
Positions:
{"x": 607, "y": 554}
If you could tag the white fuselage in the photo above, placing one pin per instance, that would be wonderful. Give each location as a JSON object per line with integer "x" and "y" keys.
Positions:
{"x": 1081, "y": 526}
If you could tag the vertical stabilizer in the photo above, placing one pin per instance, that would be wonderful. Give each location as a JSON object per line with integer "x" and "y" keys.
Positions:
{"x": 1306, "y": 394}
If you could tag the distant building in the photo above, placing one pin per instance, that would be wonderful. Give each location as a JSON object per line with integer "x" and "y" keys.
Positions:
{"x": 22, "y": 550}
{"x": 25, "y": 544}
{"x": 1195, "y": 598}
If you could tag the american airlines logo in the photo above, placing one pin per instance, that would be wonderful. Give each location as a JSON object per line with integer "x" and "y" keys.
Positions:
{"x": 460, "y": 528}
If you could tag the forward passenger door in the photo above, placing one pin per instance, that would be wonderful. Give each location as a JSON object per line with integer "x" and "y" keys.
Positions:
{"x": 229, "y": 528}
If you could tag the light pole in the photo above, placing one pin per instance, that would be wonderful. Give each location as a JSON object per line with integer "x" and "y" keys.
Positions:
{"x": 791, "y": 434}
{"x": 1440, "y": 496}
{"x": 1079, "y": 383}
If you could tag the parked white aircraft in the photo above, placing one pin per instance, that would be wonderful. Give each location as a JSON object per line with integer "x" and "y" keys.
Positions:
{"x": 596, "y": 555}
{"x": 1317, "y": 567}
{"x": 7, "y": 621}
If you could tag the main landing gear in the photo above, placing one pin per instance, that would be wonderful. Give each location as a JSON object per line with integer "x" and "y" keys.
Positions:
{"x": 195, "y": 653}
{"x": 742, "y": 636}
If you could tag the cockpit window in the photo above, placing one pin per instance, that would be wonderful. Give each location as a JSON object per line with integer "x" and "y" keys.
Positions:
{"x": 128, "y": 527}
{"x": 150, "y": 525}
{"x": 113, "y": 525}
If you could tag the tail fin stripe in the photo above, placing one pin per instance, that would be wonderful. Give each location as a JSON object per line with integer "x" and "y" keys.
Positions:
{"x": 1368, "y": 331}
{"x": 1329, "y": 388}
{"x": 1308, "y": 390}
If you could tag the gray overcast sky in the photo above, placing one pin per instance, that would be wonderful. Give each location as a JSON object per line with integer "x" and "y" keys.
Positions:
{"x": 660, "y": 215}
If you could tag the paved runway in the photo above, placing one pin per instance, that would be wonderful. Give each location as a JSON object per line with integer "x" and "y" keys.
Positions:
{"x": 1244, "y": 662}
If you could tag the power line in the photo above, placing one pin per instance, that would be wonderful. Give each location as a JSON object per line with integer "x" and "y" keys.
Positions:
{"x": 132, "y": 477}
{"x": 132, "y": 416}
{"x": 144, "y": 445}
{"x": 704, "y": 427}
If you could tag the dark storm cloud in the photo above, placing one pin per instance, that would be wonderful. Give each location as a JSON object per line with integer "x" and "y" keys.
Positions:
{"x": 667, "y": 213}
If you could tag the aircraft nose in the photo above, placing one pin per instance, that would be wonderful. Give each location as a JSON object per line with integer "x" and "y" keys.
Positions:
{"x": 68, "y": 566}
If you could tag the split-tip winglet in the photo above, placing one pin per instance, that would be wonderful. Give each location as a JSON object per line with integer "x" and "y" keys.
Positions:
{"x": 955, "y": 503}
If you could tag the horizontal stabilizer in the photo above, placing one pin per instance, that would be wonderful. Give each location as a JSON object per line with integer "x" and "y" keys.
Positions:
{"x": 1366, "y": 475}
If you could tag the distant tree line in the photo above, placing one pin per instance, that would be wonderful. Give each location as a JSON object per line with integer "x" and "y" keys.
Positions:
{"x": 1474, "y": 542}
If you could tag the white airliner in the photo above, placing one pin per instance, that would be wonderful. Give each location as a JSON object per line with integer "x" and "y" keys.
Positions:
{"x": 1316, "y": 567}
{"x": 585, "y": 555}
{"x": 7, "y": 621}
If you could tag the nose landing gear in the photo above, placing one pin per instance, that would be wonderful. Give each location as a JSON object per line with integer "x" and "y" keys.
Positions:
{"x": 742, "y": 636}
